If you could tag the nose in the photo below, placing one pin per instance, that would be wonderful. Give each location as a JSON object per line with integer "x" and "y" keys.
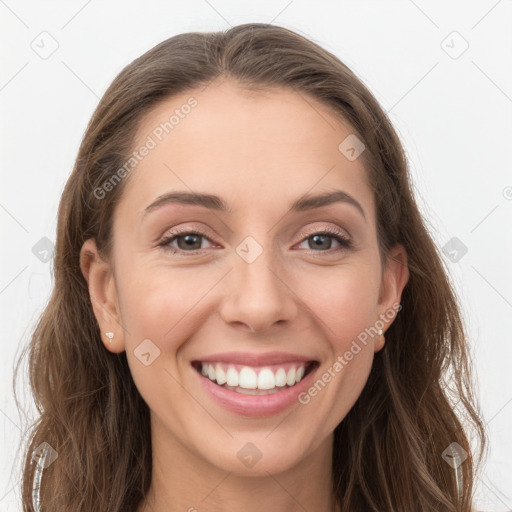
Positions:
{"x": 258, "y": 295}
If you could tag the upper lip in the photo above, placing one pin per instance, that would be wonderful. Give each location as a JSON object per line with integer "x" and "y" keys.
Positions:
{"x": 252, "y": 359}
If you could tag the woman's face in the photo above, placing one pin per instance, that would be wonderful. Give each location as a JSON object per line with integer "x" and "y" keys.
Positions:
{"x": 257, "y": 287}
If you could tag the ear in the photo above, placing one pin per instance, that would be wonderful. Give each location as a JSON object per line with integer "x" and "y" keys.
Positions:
{"x": 103, "y": 294}
{"x": 394, "y": 279}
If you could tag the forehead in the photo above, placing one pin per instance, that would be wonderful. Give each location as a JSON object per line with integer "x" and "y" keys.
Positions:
{"x": 253, "y": 148}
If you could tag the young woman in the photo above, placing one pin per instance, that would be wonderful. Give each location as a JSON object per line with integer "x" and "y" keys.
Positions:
{"x": 249, "y": 312}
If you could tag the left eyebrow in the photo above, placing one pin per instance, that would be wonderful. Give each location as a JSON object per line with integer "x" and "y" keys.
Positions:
{"x": 214, "y": 202}
{"x": 327, "y": 198}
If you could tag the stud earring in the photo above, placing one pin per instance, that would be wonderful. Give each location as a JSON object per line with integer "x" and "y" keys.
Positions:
{"x": 379, "y": 332}
{"x": 110, "y": 336}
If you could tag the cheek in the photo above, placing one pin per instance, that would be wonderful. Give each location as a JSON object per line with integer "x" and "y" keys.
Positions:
{"x": 160, "y": 308}
{"x": 155, "y": 303}
{"x": 165, "y": 306}
{"x": 344, "y": 302}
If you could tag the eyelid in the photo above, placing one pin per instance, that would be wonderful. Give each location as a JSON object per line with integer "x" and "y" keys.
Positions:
{"x": 345, "y": 242}
{"x": 188, "y": 229}
{"x": 340, "y": 235}
{"x": 171, "y": 236}
{"x": 343, "y": 233}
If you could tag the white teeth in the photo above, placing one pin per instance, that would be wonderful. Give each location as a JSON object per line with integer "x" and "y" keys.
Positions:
{"x": 280, "y": 378}
{"x": 232, "y": 377}
{"x": 247, "y": 378}
{"x": 266, "y": 379}
{"x": 290, "y": 378}
{"x": 220, "y": 375}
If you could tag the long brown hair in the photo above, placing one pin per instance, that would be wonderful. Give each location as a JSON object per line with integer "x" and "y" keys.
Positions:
{"x": 388, "y": 449}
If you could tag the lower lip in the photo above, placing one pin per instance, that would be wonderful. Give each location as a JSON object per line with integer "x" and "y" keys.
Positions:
{"x": 256, "y": 405}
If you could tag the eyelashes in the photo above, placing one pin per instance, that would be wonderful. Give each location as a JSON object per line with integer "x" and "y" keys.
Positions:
{"x": 166, "y": 242}
{"x": 329, "y": 233}
{"x": 344, "y": 242}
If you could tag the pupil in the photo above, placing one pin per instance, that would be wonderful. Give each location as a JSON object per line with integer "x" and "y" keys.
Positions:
{"x": 318, "y": 241}
{"x": 190, "y": 240}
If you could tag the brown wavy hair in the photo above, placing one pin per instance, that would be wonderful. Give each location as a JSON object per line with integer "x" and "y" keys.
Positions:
{"x": 419, "y": 396}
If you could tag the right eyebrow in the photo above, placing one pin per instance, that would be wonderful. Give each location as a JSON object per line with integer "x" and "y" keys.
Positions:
{"x": 206, "y": 200}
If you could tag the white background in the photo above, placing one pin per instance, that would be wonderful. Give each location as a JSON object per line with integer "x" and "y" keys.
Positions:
{"x": 453, "y": 113}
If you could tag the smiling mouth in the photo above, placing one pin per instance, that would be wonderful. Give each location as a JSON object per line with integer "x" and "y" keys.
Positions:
{"x": 250, "y": 380}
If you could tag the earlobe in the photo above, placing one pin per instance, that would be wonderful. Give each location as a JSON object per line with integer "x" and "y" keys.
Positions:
{"x": 103, "y": 295}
